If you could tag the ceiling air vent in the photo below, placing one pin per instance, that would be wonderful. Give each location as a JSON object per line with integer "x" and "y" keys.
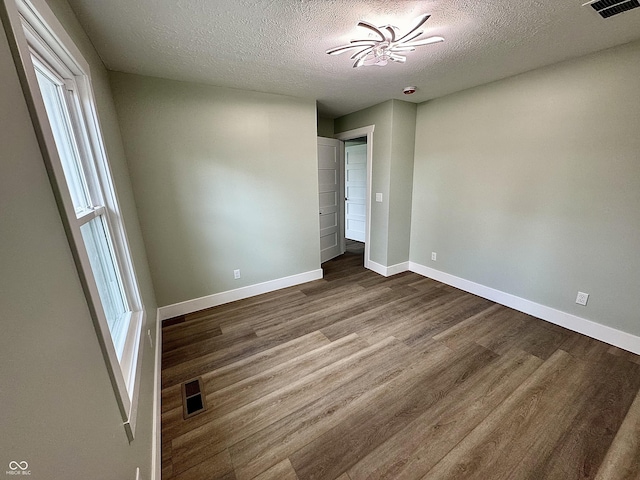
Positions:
{"x": 609, "y": 8}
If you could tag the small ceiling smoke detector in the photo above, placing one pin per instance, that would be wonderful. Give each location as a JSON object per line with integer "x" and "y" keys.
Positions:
{"x": 409, "y": 90}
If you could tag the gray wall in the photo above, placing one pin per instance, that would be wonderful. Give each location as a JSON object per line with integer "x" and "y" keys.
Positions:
{"x": 325, "y": 127}
{"x": 392, "y": 172}
{"x": 531, "y": 185}
{"x": 224, "y": 179}
{"x": 59, "y": 409}
{"x": 401, "y": 177}
{"x": 380, "y": 116}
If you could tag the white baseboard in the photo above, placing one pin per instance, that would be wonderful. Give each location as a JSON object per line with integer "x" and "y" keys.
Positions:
{"x": 221, "y": 298}
{"x": 387, "y": 271}
{"x": 581, "y": 325}
{"x": 156, "y": 443}
{"x": 376, "y": 267}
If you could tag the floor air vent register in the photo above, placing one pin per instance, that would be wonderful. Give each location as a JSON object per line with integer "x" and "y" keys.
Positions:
{"x": 193, "y": 401}
{"x": 609, "y": 8}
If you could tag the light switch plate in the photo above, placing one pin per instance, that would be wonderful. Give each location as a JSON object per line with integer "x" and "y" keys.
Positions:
{"x": 378, "y": 197}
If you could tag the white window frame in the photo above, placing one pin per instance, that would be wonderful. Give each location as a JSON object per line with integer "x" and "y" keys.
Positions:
{"x": 40, "y": 39}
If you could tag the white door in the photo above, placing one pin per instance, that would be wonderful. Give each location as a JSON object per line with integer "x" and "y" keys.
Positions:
{"x": 330, "y": 201}
{"x": 355, "y": 165}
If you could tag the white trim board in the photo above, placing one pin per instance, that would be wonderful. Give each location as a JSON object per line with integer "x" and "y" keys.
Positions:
{"x": 388, "y": 271}
{"x": 216, "y": 299}
{"x": 156, "y": 442}
{"x": 577, "y": 324}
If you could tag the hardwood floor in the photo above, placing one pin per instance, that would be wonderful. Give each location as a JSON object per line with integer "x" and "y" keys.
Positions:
{"x": 357, "y": 376}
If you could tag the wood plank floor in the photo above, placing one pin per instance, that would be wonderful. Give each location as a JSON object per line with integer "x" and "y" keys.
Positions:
{"x": 357, "y": 376}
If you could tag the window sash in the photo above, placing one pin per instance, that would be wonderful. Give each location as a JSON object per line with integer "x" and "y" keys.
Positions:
{"x": 102, "y": 259}
{"x": 52, "y": 90}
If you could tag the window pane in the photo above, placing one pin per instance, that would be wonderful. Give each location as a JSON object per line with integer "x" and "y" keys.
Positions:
{"x": 53, "y": 96}
{"x": 104, "y": 270}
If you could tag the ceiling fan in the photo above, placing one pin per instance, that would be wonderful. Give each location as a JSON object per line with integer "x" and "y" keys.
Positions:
{"x": 385, "y": 43}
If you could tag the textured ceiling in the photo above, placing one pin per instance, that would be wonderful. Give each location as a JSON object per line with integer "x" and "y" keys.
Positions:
{"x": 278, "y": 46}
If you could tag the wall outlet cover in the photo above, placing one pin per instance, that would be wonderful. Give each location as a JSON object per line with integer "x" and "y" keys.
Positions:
{"x": 582, "y": 298}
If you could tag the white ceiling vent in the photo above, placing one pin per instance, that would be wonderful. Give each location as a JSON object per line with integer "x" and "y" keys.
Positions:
{"x": 609, "y": 8}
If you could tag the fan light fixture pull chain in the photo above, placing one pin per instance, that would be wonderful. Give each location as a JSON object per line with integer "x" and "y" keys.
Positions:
{"x": 385, "y": 44}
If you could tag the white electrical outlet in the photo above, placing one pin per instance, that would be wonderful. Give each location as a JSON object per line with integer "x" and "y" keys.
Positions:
{"x": 582, "y": 298}
{"x": 236, "y": 274}
{"x": 434, "y": 256}
{"x": 378, "y": 197}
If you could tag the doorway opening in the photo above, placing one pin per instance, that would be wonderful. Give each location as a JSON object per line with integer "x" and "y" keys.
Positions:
{"x": 355, "y": 195}
{"x": 355, "y": 189}
{"x": 355, "y": 137}
{"x": 345, "y": 193}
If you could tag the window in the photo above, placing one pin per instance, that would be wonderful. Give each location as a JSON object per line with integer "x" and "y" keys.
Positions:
{"x": 59, "y": 87}
{"x": 64, "y": 115}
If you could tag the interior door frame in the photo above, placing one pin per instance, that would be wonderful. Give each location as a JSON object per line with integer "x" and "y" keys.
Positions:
{"x": 351, "y": 135}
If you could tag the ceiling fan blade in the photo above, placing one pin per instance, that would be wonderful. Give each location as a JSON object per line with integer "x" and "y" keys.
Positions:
{"x": 344, "y": 48}
{"x": 359, "y": 62}
{"x": 426, "y": 41}
{"x": 392, "y": 33}
{"x": 362, "y": 53}
{"x": 402, "y": 48}
{"x": 408, "y": 38}
{"x": 418, "y": 22}
{"x": 373, "y": 28}
{"x": 397, "y": 58}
